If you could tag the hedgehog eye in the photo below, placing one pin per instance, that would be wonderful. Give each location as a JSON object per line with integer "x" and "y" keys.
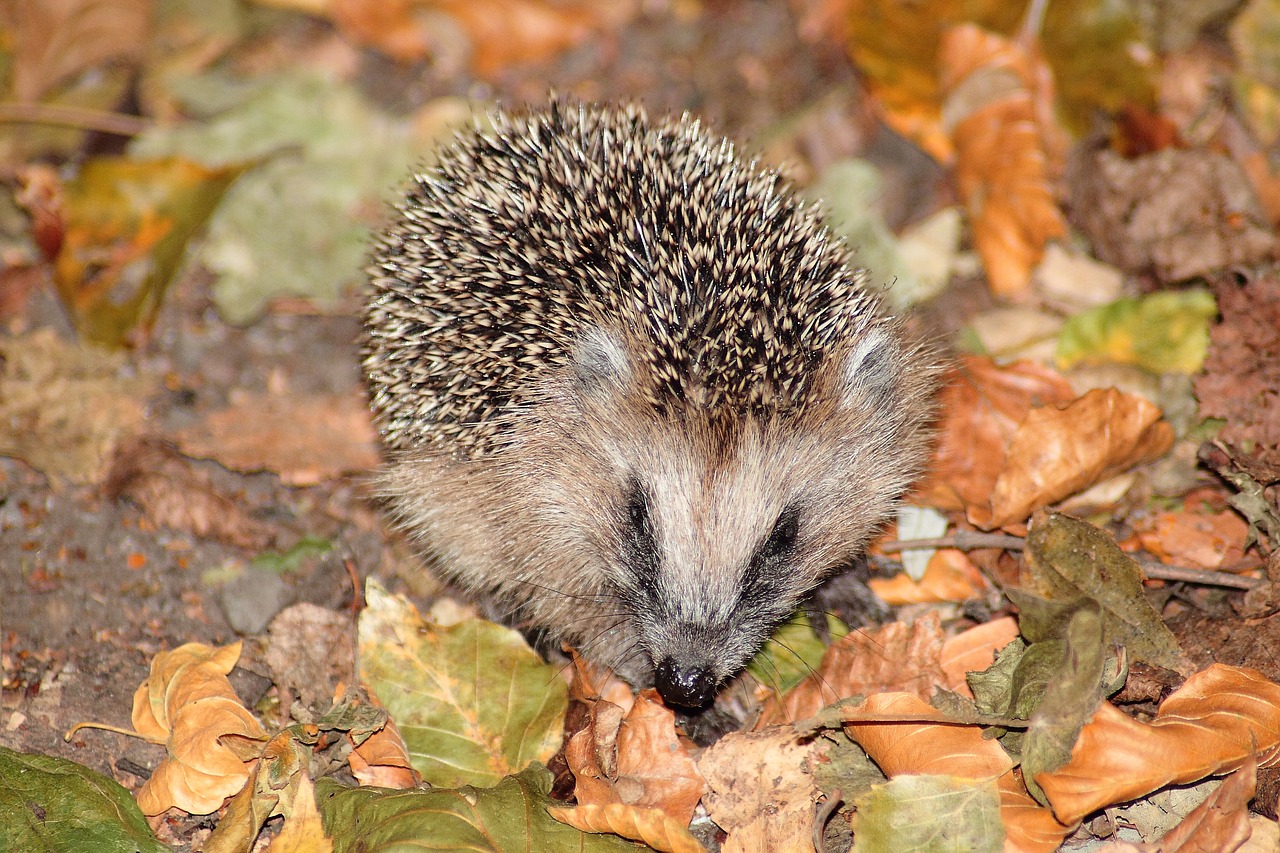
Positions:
{"x": 640, "y": 541}
{"x": 782, "y": 539}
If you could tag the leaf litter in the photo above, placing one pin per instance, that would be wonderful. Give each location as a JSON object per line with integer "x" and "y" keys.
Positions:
{"x": 1008, "y": 694}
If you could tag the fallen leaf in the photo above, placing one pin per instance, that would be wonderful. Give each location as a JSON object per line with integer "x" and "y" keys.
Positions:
{"x": 1220, "y": 823}
{"x": 896, "y": 657}
{"x": 1199, "y": 539}
{"x": 760, "y": 789}
{"x": 649, "y": 767}
{"x": 652, "y": 827}
{"x": 949, "y": 576}
{"x": 930, "y": 812}
{"x": 1165, "y": 332}
{"x": 473, "y": 701}
{"x": 187, "y": 704}
{"x": 930, "y": 744}
{"x": 1058, "y": 451}
{"x": 128, "y": 223}
{"x": 303, "y": 830}
{"x": 305, "y": 438}
{"x": 1213, "y": 724}
{"x": 54, "y": 40}
{"x": 151, "y": 473}
{"x": 998, "y": 111}
{"x": 64, "y": 407}
{"x": 981, "y": 405}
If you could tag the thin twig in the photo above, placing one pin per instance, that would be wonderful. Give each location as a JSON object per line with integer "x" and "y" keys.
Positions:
{"x": 12, "y": 112}
{"x": 1204, "y": 577}
{"x": 963, "y": 540}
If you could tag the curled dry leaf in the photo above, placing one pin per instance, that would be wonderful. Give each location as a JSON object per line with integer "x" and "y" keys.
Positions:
{"x": 53, "y": 40}
{"x": 897, "y": 657}
{"x": 188, "y": 704}
{"x": 1213, "y": 724}
{"x": 636, "y": 760}
{"x": 150, "y": 472}
{"x": 383, "y": 760}
{"x": 982, "y": 404}
{"x": 1058, "y": 451}
{"x": 1008, "y": 149}
{"x": 1222, "y": 822}
{"x": 928, "y": 744}
{"x": 975, "y": 650}
{"x": 652, "y": 827}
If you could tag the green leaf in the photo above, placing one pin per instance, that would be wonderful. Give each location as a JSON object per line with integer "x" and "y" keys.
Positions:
{"x": 1164, "y": 332}
{"x": 938, "y": 814}
{"x": 473, "y": 701}
{"x": 51, "y": 804}
{"x": 792, "y": 653}
{"x": 1072, "y": 559}
{"x": 511, "y": 816}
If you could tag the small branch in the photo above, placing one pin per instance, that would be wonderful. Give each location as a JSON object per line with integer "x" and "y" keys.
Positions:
{"x": 12, "y": 112}
{"x": 963, "y": 540}
{"x": 1204, "y": 577}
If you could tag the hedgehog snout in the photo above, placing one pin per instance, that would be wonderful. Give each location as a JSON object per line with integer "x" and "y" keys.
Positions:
{"x": 685, "y": 684}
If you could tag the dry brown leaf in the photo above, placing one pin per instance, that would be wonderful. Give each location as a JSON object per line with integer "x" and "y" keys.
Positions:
{"x": 305, "y": 438}
{"x": 383, "y": 760}
{"x": 1058, "y": 451}
{"x": 188, "y": 704}
{"x": 303, "y": 830}
{"x": 1200, "y": 539}
{"x": 636, "y": 760}
{"x": 761, "y": 791}
{"x": 982, "y": 404}
{"x": 1009, "y": 149}
{"x": 949, "y": 576}
{"x": 150, "y": 472}
{"x": 497, "y": 33}
{"x": 897, "y": 657}
{"x": 928, "y": 745}
{"x": 590, "y": 681}
{"x": 54, "y": 40}
{"x": 653, "y": 827}
{"x": 63, "y": 406}
{"x": 1221, "y": 823}
{"x": 974, "y": 650}
{"x": 1214, "y": 724}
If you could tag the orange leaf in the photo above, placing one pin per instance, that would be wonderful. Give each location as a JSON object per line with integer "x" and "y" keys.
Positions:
{"x": 383, "y": 760}
{"x": 929, "y": 745}
{"x": 636, "y": 760}
{"x": 1204, "y": 540}
{"x": 1058, "y": 451}
{"x": 187, "y": 703}
{"x": 949, "y": 576}
{"x": 1008, "y": 150}
{"x": 648, "y": 826}
{"x": 896, "y": 657}
{"x": 981, "y": 405}
{"x": 1214, "y": 724}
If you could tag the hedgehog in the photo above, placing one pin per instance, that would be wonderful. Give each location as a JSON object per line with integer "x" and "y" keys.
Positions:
{"x": 632, "y": 389}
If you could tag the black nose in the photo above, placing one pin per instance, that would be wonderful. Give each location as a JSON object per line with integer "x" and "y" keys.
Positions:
{"x": 686, "y": 686}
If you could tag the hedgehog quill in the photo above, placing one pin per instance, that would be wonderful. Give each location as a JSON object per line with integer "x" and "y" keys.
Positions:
{"x": 632, "y": 389}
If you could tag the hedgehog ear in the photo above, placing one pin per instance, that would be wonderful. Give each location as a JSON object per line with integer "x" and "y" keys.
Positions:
{"x": 872, "y": 368}
{"x": 599, "y": 361}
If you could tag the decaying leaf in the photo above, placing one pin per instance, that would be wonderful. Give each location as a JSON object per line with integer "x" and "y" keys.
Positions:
{"x": 949, "y": 576}
{"x": 927, "y": 744}
{"x": 652, "y": 827}
{"x": 274, "y": 782}
{"x": 1214, "y": 724}
{"x": 64, "y": 407}
{"x": 897, "y": 657}
{"x": 303, "y": 830}
{"x": 128, "y": 223}
{"x": 930, "y": 812}
{"x": 761, "y": 789}
{"x": 1058, "y": 451}
{"x": 1166, "y": 332}
{"x": 1008, "y": 149}
{"x": 1072, "y": 560}
{"x": 187, "y": 704}
{"x": 465, "y": 722}
{"x": 1221, "y": 823}
{"x": 974, "y": 650}
{"x": 636, "y": 760}
{"x": 150, "y": 472}
{"x": 1205, "y": 540}
{"x": 305, "y": 438}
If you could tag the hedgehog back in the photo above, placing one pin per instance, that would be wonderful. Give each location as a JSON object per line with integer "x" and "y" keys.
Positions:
{"x": 524, "y": 238}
